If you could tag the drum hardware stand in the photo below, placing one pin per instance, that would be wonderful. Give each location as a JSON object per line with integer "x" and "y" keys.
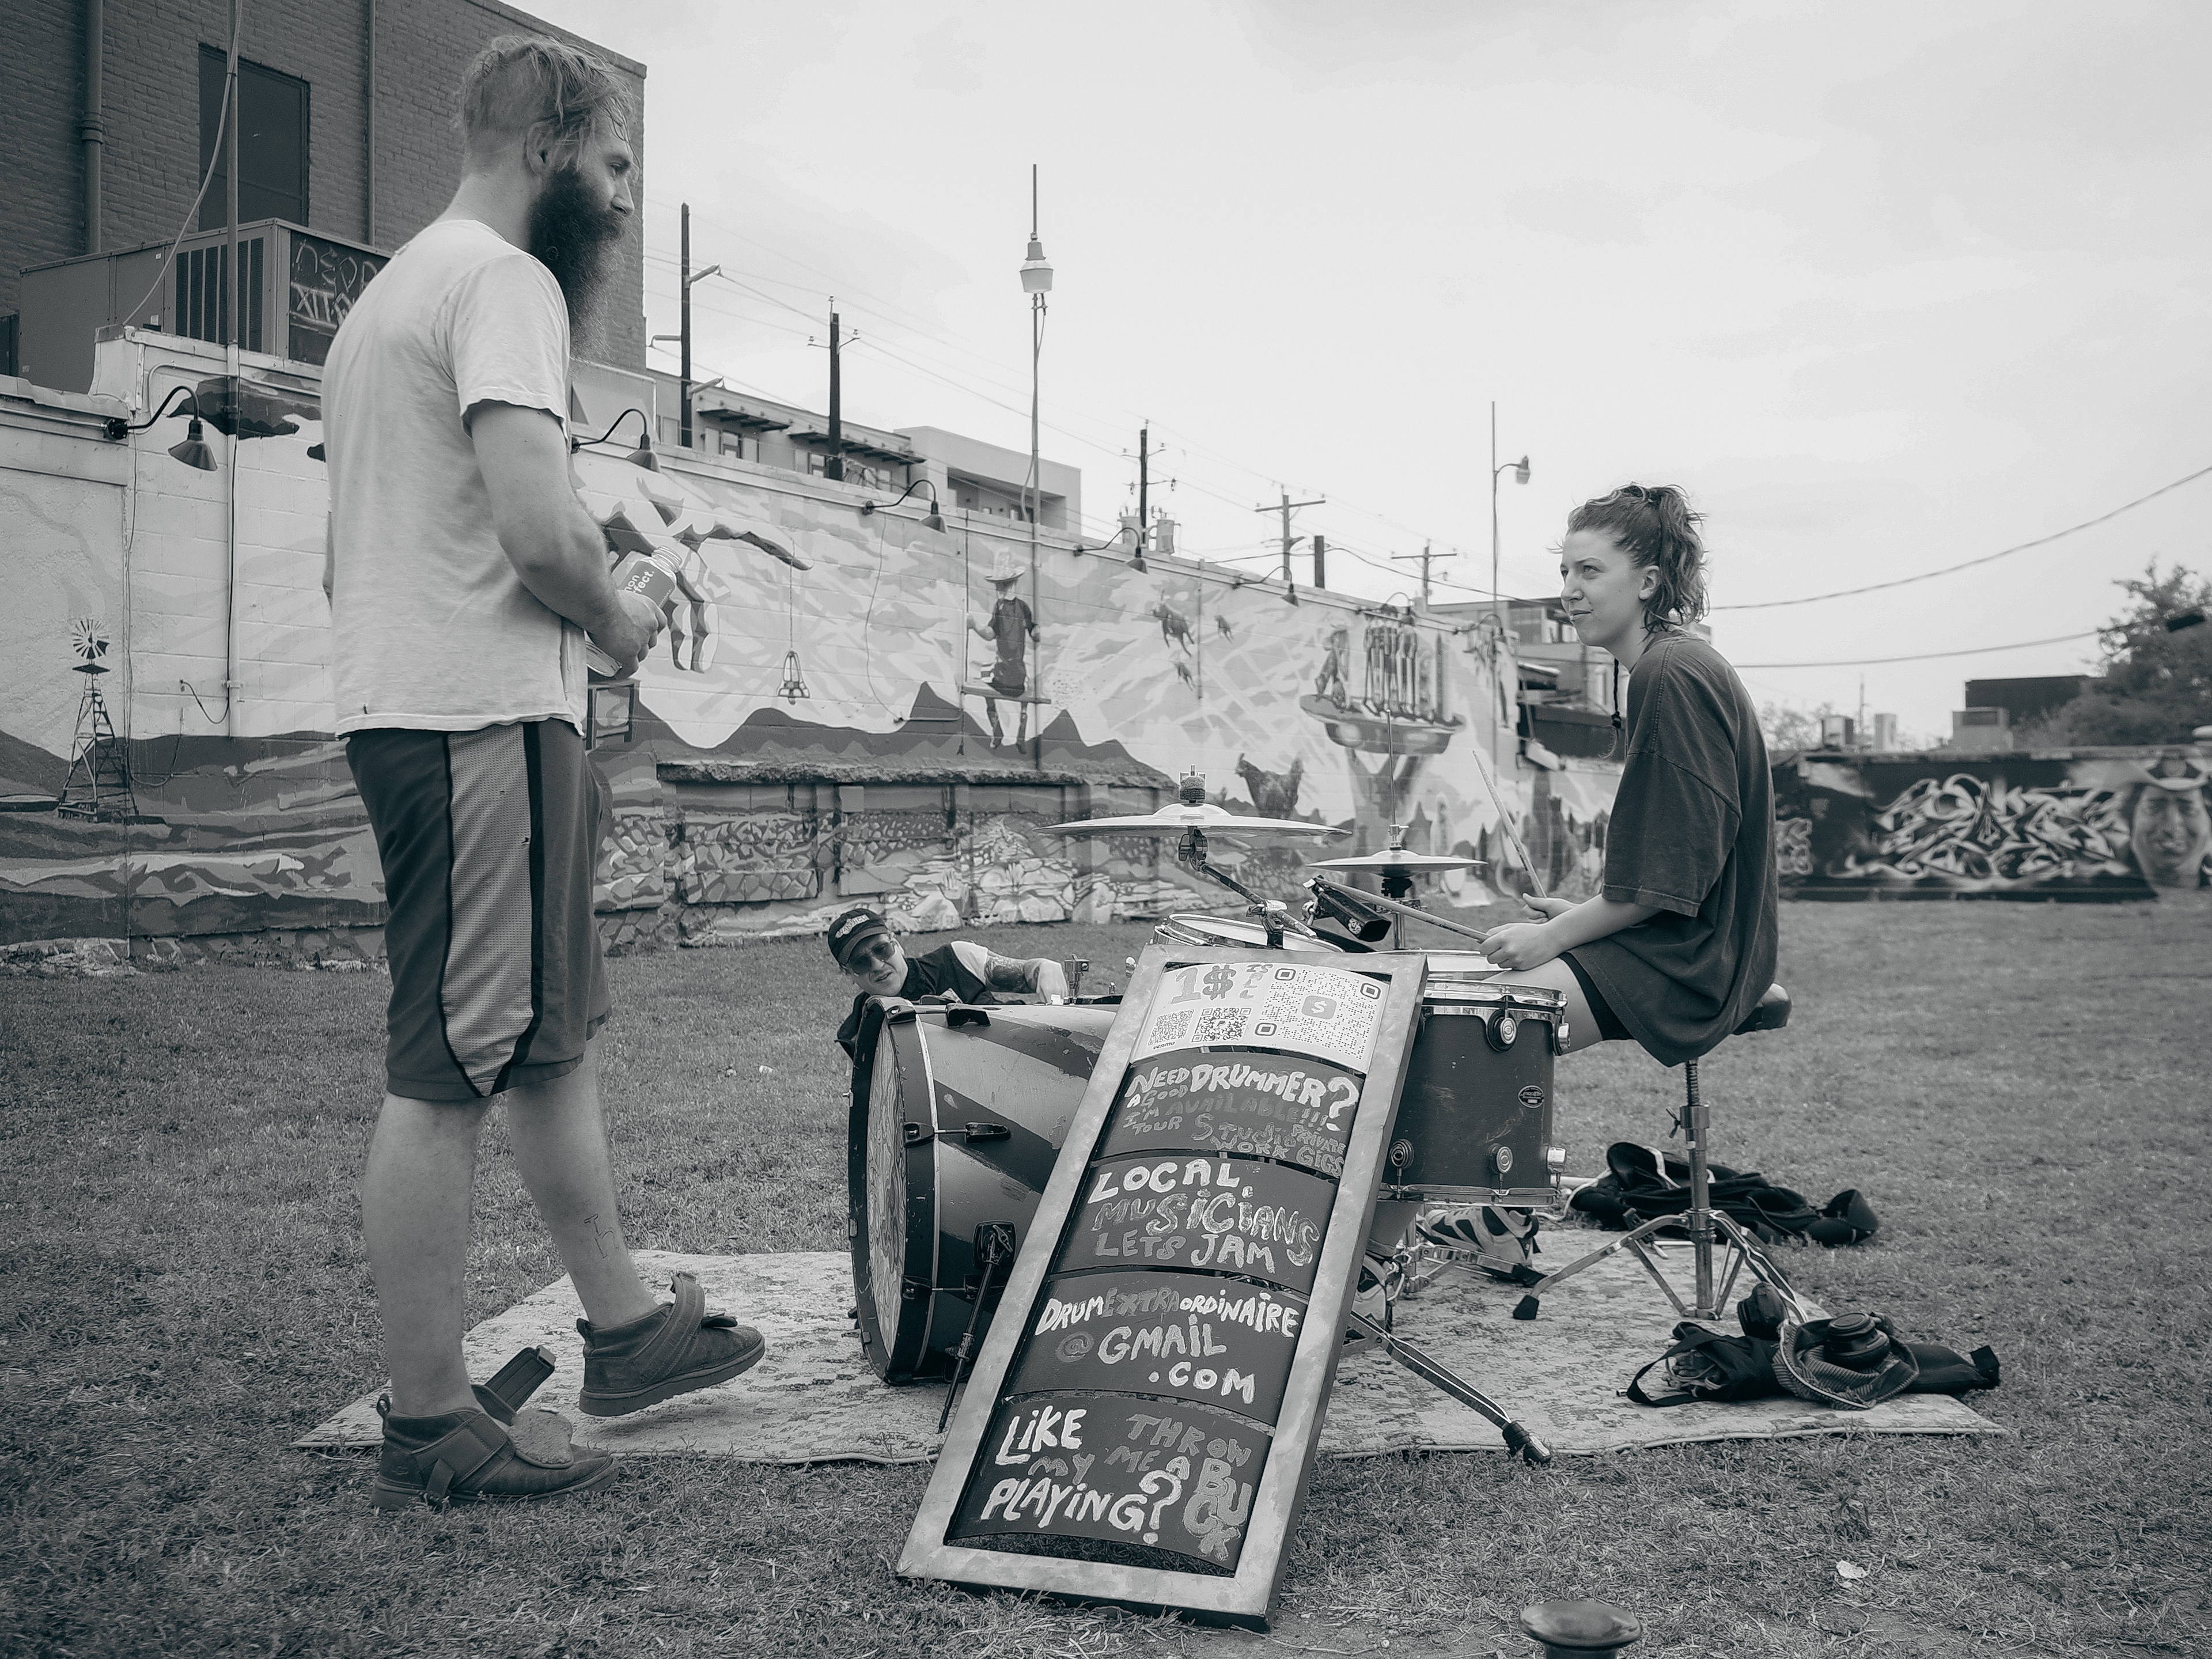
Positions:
{"x": 994, "y": 1243}
{"x": 1517, "y": 1439}
{"x": 1701, "y": 1221}
{"x": 1272, "y": 914}
{"x": 1320, "y": 885}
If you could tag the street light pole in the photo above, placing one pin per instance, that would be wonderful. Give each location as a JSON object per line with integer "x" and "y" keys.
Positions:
{"x": 1497, "y": 606}
{"x": 1036, "y": 283}
{"x": 1520, "y": 471}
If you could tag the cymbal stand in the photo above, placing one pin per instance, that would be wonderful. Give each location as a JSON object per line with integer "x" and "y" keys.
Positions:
{"x": 1517, "y": 1439}
{"x": 1409, "y": 911}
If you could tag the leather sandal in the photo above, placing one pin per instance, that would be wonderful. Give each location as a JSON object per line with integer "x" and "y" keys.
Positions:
{"x": 674, "y": 1351}
{"x": 465, "y": 1457}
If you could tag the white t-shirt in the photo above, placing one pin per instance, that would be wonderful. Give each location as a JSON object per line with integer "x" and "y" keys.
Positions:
{"x": 431, "y": 630}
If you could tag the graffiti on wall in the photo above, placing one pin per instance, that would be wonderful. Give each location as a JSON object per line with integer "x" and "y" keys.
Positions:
{"x": 2090, "y": 826}
{"x": 819, "y": 661}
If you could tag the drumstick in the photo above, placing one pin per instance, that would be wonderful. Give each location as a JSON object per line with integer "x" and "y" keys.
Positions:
{"x": 1505, "y": 824}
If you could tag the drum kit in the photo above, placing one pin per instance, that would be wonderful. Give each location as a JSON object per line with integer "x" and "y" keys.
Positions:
{"x": 959, "y": 1113}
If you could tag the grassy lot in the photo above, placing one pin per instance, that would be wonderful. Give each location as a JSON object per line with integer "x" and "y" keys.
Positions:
{"x": 2021, "y": 1091}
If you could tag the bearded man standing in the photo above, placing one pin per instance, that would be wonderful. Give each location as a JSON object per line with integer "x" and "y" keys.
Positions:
{"x": 463, "y": 576}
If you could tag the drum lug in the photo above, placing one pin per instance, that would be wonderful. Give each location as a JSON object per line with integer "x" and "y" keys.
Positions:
{"x": 915, "y": 1133}
{"x": 913, "y": 1290}
{"x": 987, "y": 1132}
{"x": 960, "y": 1014}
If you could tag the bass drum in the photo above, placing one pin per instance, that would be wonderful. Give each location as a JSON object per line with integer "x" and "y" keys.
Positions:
{"x": 958, "y": 1115}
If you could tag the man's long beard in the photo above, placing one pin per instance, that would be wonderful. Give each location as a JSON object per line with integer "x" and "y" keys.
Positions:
{"x": 574, "y": 238}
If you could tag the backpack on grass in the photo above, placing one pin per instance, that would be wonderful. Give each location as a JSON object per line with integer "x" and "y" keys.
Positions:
{"x": 1642, "y": 1183}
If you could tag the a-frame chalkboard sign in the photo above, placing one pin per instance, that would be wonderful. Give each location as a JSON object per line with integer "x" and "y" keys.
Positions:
{"x": 1152, "y": 1386}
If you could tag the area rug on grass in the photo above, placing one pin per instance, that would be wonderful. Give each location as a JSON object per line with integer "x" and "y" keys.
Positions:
{"x": 815, "y": 1400}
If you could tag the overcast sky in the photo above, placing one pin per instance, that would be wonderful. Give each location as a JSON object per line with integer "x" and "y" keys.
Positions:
{"x": 1886, "y": 286}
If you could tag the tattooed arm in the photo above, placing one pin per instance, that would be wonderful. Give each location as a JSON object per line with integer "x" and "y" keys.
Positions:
{"x": 1040, "y": 975}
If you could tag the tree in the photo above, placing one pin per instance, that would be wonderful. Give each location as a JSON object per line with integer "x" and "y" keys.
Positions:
{"x": 1787, "y": 727}
{"x": 2156, "y": 686}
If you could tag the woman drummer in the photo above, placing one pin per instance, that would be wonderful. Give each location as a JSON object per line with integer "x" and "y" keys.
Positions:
{"x": 1678, "y": 946}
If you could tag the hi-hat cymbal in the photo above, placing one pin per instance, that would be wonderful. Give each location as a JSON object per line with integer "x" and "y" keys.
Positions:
{"x": 1210, "y": 818}
{"x": 1396, "y": 857}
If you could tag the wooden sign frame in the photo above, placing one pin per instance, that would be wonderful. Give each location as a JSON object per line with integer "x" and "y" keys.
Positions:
{"x": 1244, "y": 1597}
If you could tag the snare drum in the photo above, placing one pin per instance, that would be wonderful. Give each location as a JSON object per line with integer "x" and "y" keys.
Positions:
{"x": 1474, "y": 1121}
{"x": 958, "y": 1115}
{"x": 1223, "y": 931}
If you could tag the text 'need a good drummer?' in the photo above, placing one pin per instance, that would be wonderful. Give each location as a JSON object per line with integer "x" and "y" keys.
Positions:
{"x": 1251, "y": 1105}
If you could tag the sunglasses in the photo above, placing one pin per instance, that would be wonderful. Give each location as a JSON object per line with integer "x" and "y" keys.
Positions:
{"x": 876, "y": 953}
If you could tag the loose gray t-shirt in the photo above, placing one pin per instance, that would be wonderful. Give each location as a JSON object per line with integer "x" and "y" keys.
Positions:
{"x": 1692, "y": 832}
{"x": 431, "y": 630}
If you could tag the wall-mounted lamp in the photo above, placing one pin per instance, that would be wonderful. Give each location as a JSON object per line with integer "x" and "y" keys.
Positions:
{"x": 934, "y": 520}
{"x": 642, "y": 456}
{"x": 192, "y": 452}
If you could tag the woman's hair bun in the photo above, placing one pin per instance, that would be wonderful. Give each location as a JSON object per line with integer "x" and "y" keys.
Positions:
{"x": 1655, "y": 526}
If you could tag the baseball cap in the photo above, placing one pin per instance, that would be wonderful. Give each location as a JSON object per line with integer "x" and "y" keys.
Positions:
{"x": 851, "y": 928}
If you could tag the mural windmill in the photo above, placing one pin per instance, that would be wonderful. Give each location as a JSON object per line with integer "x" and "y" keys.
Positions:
{"x": 1396, "y": 712}
{"x": 99, "y": 781}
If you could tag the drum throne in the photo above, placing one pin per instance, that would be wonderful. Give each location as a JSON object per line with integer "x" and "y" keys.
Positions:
{"x": 1704, "y": 1224}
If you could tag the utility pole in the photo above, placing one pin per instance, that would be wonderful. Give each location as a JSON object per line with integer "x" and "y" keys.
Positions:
{"x": 684, "y": 326}
{"x": 834, "y": 468}
{"x": 1285, "y": 507}
{"x": 1321, "y": 561}
{"x": 1143, "y": 486}
{"x": 1424, "y": 556}
{"x": 685, "y": 276}
{"x": 1144, "y": 454}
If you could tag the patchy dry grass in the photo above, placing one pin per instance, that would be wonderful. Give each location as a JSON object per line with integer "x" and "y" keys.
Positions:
{"x": 2021, "y": 1092}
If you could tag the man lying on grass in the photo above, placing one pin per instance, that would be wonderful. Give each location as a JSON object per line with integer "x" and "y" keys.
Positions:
{"x": 871, "y": 956}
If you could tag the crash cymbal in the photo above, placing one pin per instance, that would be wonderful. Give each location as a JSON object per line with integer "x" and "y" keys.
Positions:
{"x": 1396, "y": 857}
{"x": 1211, "y": 819}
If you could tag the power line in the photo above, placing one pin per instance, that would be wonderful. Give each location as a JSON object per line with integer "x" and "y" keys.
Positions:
{"x": 1925, "y": 656}
{"x": 1986, "y": 558}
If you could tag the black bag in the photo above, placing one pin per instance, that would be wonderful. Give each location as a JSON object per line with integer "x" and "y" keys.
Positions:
{"x": 1713, "y": 1368}
{"x": 1642, "y": 1183}
{"x": 1719, "y": 1369}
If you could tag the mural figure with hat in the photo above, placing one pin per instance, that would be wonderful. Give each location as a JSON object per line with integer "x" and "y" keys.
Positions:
{"x": 1010, "y": 627}
{"x": 869, "y": 954}
{"x": 2170, "y": 831}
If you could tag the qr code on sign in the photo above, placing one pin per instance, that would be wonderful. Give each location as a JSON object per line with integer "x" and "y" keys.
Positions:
{"x": 1168, "y": 1028}
{"x": 1219, "y": 1025}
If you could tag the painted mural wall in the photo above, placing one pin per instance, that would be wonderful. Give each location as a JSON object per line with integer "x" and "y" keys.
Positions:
{"x": 847, "y": 705}
{"x": 2078, "y": 825}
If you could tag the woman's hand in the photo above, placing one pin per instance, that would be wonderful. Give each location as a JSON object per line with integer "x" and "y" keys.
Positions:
{"x": 1519, "y": 945}
{"x": 1547, "y": 907}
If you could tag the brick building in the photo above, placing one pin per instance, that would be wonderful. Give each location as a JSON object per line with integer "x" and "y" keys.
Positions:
{"x": 347, "y": 128}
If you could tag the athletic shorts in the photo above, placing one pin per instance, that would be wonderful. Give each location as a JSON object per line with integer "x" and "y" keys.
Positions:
{"x": 488, "y": 839}
{"x": 1608, "y": 1023}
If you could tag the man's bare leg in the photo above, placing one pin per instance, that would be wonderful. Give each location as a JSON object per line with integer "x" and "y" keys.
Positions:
{"x": 415, "y": 1215}
{"x": 559, "y": 1137}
